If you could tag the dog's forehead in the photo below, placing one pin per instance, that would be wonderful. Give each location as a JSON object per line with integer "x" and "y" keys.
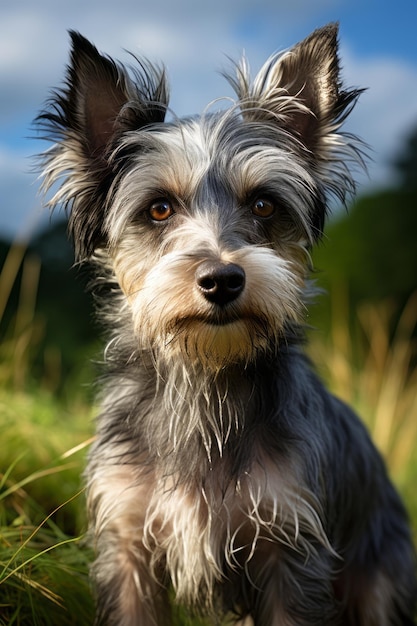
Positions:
{"x": 221, "y": 147}
{"x": 183, "y": 139}
{"x": 219, "y": 134}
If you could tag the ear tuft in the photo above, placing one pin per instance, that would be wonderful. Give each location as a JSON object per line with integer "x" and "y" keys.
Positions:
{"x": 103, "y": 100}
{"x": 100, "y": 101}
{"x": 300, "y": 90}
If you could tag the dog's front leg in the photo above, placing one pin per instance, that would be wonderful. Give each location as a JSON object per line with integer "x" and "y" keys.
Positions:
{"x": 128, "y": 584}
{"x": 289, "y": 588}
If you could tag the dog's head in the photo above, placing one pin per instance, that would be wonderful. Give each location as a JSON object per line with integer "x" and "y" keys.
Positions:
{"x": 207, "y": 222}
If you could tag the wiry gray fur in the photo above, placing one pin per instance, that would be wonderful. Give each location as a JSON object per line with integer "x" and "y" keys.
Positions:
{"x": 222, "y": 468}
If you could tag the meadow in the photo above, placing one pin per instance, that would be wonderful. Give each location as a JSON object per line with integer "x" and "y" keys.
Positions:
{"x": 366, "y": 355}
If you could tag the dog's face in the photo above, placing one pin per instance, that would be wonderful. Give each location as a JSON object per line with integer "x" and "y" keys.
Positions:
{"x": 208, "y": 229}
{"x": 206, "y": 222}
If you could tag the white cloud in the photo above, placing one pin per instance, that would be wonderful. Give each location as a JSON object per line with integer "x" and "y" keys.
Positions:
{"x": 185, "y": 34}
{"x": 386, "y": 112}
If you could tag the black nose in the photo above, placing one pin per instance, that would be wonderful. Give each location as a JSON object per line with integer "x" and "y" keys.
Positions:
{"x": 220, "y": 283}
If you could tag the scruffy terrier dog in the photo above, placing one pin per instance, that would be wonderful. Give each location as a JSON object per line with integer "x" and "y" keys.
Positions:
{"x": 222, "y": 471}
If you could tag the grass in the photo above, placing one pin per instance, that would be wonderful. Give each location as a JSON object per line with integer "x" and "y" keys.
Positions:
{"x": 44, "y": 575}
{"x": 44, "y": 557}
{"x": 369, "y": 360}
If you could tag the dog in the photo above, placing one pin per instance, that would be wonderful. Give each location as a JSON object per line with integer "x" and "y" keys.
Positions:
{"x": 223, "y": 474}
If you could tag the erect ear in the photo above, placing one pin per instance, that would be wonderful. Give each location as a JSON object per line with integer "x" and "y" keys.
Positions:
{"x": 300, "y": 90}
{"x": 85, "y": 120}
{"x": 103, "y": 101}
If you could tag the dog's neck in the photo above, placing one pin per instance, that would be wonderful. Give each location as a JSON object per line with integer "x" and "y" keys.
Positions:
{"x": 204, "y": 412}
{"x": 188, "y": 417}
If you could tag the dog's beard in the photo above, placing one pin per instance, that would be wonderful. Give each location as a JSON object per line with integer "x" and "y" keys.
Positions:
{"x": 171, "y": 317}
{"x": 216, "y": 345}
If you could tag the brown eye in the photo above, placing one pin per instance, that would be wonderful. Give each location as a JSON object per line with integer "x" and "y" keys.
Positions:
{"x": 262, "y": 207}
{"x": 160, "y": 210}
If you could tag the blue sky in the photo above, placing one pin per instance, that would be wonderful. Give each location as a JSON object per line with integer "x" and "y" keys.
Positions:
{"x": 194, "y": 38}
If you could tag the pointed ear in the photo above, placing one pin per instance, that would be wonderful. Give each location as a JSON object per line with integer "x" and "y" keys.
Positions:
{"x": 103, "y": 101}
{"x": 85, "y": 120}
{"x": 300, "y": 90}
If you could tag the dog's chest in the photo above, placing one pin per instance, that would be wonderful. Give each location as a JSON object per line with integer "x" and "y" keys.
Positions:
{"x": 203, "y": 535}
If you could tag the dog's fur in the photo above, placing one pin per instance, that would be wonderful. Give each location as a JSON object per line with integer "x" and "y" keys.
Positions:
{"x": 222, "y": 469}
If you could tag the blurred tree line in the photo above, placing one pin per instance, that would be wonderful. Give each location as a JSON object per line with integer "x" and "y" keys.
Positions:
{"x": 370, "y": 253}
{"x": 372, "y": 250}
{"x": 63, "y": 334}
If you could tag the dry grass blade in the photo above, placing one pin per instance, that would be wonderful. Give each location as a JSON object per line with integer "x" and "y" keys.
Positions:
{"x": 372, "y": 367}
{"x": 7, "y": 567}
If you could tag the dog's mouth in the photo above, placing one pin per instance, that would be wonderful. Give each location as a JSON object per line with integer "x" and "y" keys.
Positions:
{"x": 216, "y": 339}
{"x": 220, "y": 319}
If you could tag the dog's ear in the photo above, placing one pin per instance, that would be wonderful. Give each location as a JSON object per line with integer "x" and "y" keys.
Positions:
{"x": 103, "y": 101}
{"x": 300, "y": 90}
{"x": 99, "y": 103}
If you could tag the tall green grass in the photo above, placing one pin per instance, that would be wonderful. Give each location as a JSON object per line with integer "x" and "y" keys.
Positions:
{"x": 44, "y": 556}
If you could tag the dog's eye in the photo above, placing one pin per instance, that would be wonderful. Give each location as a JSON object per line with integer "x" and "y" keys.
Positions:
{"x": 160, "y": 210}
{"x": 262, "y": 207}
